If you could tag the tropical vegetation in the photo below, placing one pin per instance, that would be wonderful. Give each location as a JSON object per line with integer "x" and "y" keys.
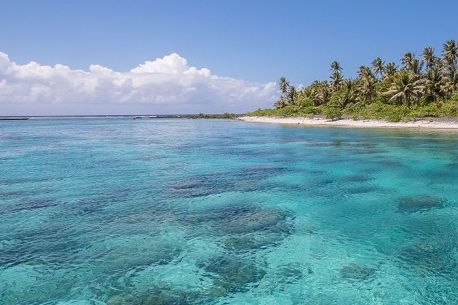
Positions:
{"x": 420, "y": 87}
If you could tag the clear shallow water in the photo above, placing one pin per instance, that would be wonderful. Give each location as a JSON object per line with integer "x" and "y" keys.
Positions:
{"x": 117, "y": 211}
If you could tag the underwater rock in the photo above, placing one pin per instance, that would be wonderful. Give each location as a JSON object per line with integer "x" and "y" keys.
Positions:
{"x": 433, "y": 244}
{"x": 200, "y": 187}
{"x": 290, "y": 273}
{"x": 247, "y": 220}
{"x": 255, "y": 173}
{"x": 30, "y": 205}
{"x": 252, "y": 242}
{"x": 357, "y": 178}
{"x": 429, "y": 256}
{"x": 117, "y": 299}
{"x": 243, "y": 228}
{"x": 186, "y": 185}
{"x": 169, "y": 296}
{"x": 363, "y": 189}
{"x": 127, "y": 252}
{"x": 243, "y": 219}
{"x": 356, "y": 272}
{"x": 232, "y": 273}
{"x": 34, "y": 284}
{"x": 419, "y": 203}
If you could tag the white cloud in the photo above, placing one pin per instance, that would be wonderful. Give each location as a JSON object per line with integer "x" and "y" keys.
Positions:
{"x": 165, "y": 85}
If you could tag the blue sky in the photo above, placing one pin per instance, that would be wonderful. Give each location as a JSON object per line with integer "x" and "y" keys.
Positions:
{"x": 251, "y": 43}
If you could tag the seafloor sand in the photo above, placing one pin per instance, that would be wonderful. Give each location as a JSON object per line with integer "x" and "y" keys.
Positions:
{"x": 430, "y": 124}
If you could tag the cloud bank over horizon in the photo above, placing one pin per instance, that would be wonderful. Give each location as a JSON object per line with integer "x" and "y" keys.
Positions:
{"x": 167, "y": 85}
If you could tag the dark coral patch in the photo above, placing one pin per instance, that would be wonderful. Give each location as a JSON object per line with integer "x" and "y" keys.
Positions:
{"x": 232, "y": 273}
{"x": 357, "y": 272}
{"x": 419, "y": 203}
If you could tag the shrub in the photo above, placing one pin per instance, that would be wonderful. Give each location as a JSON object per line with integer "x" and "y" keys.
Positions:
{"x": 333, "y": 113}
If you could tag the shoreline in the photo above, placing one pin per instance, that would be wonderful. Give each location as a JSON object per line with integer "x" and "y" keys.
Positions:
{"x": 438, "y": 123}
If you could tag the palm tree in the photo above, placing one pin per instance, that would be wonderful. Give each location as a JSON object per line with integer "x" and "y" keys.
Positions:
{"x": 366, "y": 86}
{"x": 345, "y": 95}
{"x": 429, "y": 58}
{"x": 280, "y": 104}
{"x": 364, "y": 71}
{"x": 335, "y": 67}
{"x": 379, "y": 67}
{"x": 336, "y": 76}
{"x": 291, "y": 98}
{"x": 450, "y": 54}
{"x": 450, "y": 83}
{"x": 410, "y": 63}
{"x": 450, "y": 58}
{"x": 284, "y": 86}
{"x": 407, "y": 61}
{"x": 319, "y": 92}
{"x": 405, "y": 87}
{"x": 390, "y": 69}
{"x": 434, "y": 85}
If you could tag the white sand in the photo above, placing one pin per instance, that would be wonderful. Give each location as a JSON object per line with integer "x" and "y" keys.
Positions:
{"x": 438, "y": 124}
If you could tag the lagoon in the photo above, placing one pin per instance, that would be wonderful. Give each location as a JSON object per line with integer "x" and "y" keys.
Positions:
{"x": 176, "y": 211}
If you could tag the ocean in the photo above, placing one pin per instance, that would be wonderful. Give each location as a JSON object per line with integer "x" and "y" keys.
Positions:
{"x": 177, "y": 211}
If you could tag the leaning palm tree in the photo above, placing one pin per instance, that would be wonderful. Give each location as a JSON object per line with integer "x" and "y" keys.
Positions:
{"x": 405, "y": 87}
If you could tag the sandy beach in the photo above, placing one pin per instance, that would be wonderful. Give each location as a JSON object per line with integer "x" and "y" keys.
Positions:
{"x": 440, "y": 123}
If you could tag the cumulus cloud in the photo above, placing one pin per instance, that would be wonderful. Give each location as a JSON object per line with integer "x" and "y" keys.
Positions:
{"x": 165, "y": 85}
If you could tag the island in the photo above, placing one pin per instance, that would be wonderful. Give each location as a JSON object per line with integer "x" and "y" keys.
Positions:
{"x": 419, "y": 89}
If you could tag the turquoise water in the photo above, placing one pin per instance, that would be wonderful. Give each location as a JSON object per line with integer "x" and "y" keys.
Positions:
{"x": 143, "y": 212}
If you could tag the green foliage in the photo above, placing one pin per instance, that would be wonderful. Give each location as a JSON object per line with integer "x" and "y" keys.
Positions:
{"x": 333, "y": 113}
{"x": 454, "y": 96}
{"x": 450, "y": 108}
{"x": 427, "y": 111}
{"x": 287, "y": 111}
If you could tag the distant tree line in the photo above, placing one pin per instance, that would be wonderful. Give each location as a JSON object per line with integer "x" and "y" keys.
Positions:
{"x": 421, "y": 86}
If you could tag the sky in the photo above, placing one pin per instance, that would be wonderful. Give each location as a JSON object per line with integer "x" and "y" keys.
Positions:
{"x": 66, "y": 57}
